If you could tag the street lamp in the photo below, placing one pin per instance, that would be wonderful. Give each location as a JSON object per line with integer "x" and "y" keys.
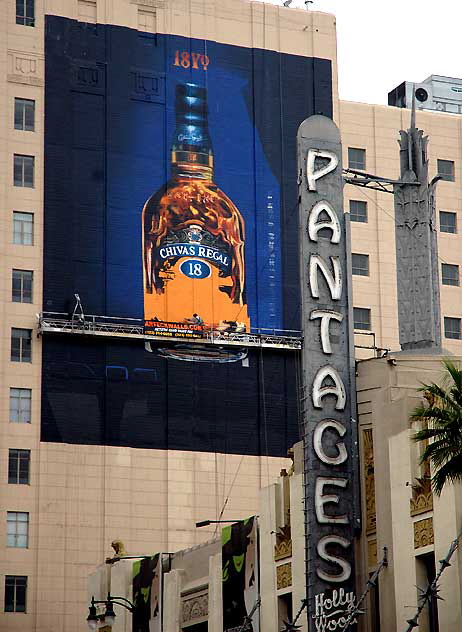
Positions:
{"x": 109, "y": 615}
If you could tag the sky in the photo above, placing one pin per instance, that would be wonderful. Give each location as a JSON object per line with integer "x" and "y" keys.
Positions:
{"x": 383, "y": 43}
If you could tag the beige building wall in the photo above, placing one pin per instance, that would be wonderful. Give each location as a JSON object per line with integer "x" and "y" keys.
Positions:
{"x": 375, "y": 128}
{"x": 410, "y": 521}
{"x": 80, "y": 498}
{"x": 193, "y": 578}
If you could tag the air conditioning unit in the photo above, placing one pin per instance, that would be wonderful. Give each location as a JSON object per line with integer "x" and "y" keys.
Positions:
{"x": 402, "y": 96}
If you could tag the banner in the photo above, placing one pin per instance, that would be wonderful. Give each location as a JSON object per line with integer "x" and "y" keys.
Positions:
{"x": 240, "y": 575}
{"x": 147, "y": 594}
{"x": 173, "y": 330}
{"x": 170, "y": 196}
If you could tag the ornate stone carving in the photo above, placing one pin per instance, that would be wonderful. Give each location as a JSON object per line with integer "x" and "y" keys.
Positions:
{"x": 284, "y": 575}
{"x": 195, "y": 607}
{"x": 417, "y": 263}
{"x": 372, "y": 553}
{"x": 147, "y": 86}
{"x": 283, "y": 546}
{"x": 422, "y": 496}
{"x": 25, "y": 68}
{"x": 88, "y": 77}
{"x": 423, "y": 533}
{"x": 369, "y": 482}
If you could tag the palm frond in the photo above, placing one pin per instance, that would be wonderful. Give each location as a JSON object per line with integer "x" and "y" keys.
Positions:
{"x": 442, "y": 434}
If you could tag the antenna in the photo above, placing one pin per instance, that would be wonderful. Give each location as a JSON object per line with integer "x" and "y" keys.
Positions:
{"x": 287, "y": 3}
{"x": 307, "y": 4}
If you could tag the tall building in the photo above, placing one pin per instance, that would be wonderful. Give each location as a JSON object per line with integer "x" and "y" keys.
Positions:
{"x": 150, "y": 212}
{"x": 111, "y": 426}
{"x": 369, "y": 137}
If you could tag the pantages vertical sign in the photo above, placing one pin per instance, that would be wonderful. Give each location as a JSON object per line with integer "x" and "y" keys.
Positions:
{"x": 329, "y": 425}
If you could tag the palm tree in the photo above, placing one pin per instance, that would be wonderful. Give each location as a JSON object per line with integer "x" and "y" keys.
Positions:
{"x": 442, "y": 434}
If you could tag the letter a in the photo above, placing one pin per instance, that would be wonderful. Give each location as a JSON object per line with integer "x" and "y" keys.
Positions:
{"x": 337, "y": 389}
{"x": 314, "y": 225}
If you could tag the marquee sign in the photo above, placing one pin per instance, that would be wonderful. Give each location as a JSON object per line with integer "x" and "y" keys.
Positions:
{"x": 330, "y": 431}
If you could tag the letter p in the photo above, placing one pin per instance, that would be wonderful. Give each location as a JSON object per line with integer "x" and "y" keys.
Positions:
{"x": 313, "y": 174}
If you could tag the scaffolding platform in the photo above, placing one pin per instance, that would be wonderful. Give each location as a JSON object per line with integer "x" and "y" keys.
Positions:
{"x": 133, "y": 329}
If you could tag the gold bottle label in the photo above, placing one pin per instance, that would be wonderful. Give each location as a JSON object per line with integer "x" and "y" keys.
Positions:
{"x": 194, "y": 256}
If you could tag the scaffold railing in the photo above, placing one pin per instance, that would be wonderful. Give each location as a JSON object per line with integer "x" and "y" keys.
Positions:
{"x": 133, "y": 328}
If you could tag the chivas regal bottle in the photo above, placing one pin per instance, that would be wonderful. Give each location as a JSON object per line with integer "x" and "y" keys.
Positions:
{"x": 193, "y": 235}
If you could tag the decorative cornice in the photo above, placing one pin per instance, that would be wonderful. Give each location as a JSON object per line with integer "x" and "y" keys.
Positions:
{"x": 372, "y": 553}
{"x": 195, "y": 607}
{"x": 147, "y": 5}
{"x": 422, "y": 503}
{"x": 284, "y": 575}
{"x": 422, "y": 496}
{"x": 423, "y": 533}
{"x": 25, "y": 68}
{"x": 369, "y": 482}
{"x": 283, "y": 546}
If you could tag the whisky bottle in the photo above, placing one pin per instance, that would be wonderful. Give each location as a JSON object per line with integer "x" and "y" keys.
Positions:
{"x": 193, "y": 234}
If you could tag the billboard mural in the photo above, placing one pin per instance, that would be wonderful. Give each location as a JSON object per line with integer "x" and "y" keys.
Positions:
{"x": 147, "y": 594}
{"x": 171, "y": 198}
{"x": 240, "y": 576}
{"x": 193, "y": 235}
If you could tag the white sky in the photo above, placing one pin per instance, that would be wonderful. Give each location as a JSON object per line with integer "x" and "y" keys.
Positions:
{"x": 382, "y": 43}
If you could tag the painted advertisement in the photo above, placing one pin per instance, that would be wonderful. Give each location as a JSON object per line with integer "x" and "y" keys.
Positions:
{"x": 171, "y": 199}
{"x": 147, "y": 594}
{"x": 193, "y": 234}
{"x": 240, "y": 576}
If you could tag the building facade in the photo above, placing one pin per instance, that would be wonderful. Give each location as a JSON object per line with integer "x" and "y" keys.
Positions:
{"x": 403, "y": 522}
{"x": 79, "y": 461}
{"x": 104, "y": 438}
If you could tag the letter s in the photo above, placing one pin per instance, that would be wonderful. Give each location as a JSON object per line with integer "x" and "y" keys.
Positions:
{"x": 345, "y": 573}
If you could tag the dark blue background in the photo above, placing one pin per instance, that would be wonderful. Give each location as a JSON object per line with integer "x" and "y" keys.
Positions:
{"x": 109, "y": 119}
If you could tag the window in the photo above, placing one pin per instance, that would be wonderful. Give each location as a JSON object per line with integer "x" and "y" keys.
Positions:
{"x": 362, "y": 318}
{"x": 18, "y": 467}
{"x": 17, "y": 529}
{"x": 356, "y": 158}
{"x": 15, "y": 593}
{"x": 146, "y": 21}
{"x": 20, "y": 405}
{"x": 24, "y": 115}
{"x": 23, "y": 228}
{"x": 452, "y": 328}
{"x": 24, "y": 171}
{"x": 449, "y": 274}
{"x": 425, "y": 575}
{"x": 446, "y": 169}
{"x": 25, "y": 12}
{"x": 360, "y": 264}
{"x": 21, "y": 345}
{"x": 21, "y": 291}
{"x": 358, "y": 211}
{"x": 448, "y": 222}
{"x": 87, "y": 11}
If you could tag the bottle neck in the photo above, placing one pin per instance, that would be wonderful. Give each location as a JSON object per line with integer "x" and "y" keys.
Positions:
{"x": 192, "y": 164}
